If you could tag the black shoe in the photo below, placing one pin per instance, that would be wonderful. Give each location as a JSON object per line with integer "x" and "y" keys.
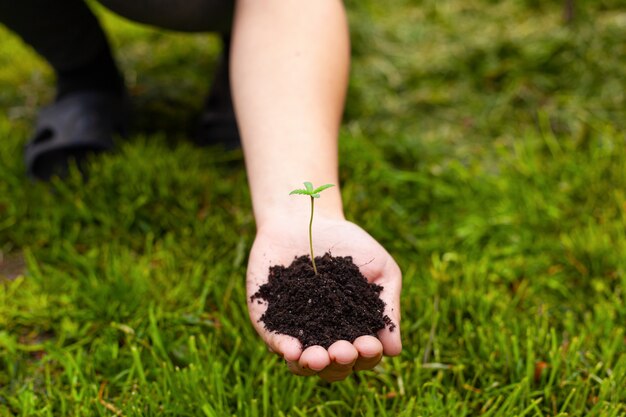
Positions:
{"x": 72, "y": 128}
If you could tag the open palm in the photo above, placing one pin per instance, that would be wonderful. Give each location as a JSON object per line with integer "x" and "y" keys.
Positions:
{"x": 279, "y": 242}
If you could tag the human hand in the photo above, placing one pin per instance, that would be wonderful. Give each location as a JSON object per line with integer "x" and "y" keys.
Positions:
{"x": 278, "y": 242}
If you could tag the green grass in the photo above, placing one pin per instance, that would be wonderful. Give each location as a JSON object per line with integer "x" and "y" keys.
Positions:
{"x": 491, "y": 137}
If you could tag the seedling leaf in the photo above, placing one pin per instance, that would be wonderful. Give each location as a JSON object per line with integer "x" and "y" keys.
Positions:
{"x": 300, "y": 191}
{"x": 322, "y": 188}
{"x": 313, "y": 193}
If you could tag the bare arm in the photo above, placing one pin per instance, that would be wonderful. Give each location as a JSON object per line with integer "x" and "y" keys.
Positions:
{"x": 289, "y": 72}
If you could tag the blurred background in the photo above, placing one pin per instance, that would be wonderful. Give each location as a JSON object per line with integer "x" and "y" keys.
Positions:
{"x": 482, "y": 145}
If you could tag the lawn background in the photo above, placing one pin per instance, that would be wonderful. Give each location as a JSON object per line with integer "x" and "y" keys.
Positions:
{"x": 483, "y": 145}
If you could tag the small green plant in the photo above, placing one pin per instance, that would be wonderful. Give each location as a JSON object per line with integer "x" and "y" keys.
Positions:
{"x": 313, "y": 193}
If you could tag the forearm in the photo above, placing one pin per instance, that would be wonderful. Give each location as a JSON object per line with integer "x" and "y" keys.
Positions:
{"x": 289, "y": 72}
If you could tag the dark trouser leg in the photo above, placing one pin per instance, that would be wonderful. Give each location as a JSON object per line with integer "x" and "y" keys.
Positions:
{"x": 188, "y": 16}
{"x": 181, "y": 15}
{"x": 220, "y": 97}
{"x": 217, "y": 123}
{"x": 68, "y": 36}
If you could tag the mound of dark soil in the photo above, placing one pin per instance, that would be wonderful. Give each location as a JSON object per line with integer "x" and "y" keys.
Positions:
{"x": 337, "y": 304}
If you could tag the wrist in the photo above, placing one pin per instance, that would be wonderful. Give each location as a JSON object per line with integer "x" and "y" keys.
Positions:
{"x": 293, "y": 208}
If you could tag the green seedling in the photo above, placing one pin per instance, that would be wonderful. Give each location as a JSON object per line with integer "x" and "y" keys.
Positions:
{"x": 313, "y": 193}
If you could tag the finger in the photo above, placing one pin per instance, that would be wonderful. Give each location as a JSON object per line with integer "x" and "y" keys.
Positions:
{"x": 315, "y": 358}
{"x": 296, "y": 369}
{"x": 390, "y": 339}
{"x": 343, "y": 356}
{"x": 392, "y": 286}
{"x": 286, "y": 346}
{"x": 370, "y": 352}
{"x": 290, "y": 349}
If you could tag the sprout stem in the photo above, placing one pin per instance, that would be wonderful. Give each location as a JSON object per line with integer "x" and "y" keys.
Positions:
{"x": 313, "y": 193}
{"x": 311, "y": 235}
